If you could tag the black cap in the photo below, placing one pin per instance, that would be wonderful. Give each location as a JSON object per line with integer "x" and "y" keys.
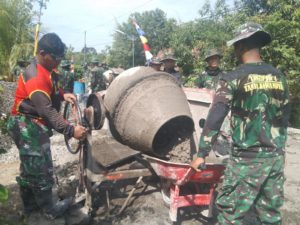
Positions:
{"x": 52, "y": 44}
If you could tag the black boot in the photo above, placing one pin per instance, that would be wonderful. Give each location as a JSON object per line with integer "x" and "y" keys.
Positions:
{"x": 29, "y": 204}
{"x": 51, "y": 209}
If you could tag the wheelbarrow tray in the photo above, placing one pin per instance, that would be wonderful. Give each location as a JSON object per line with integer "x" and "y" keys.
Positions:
{"x": 178, "y": 171}
{"x": 179, "y": 174}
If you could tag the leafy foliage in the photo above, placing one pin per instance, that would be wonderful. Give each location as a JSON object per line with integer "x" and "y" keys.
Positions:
{"x": 281, "y": 18}
{"x": 15, "y": 31}
{"x": 189, "y": 41}
{"x": 3, "y": 194}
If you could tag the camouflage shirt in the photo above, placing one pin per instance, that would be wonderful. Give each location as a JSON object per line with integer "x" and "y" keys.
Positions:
{"x": 17, "y": 71}
{"x": 176, "y": 74}
{"x": 97, "y": 79}
{"x": 257, "y": 95}
{"x": 209, "y": 78}
{"x": 67, "y": 81}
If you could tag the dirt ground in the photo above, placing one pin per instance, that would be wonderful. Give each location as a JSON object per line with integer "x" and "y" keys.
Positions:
{"x": 146, "y": 207}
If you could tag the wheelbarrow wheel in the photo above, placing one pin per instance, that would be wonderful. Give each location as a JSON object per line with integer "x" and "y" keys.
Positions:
{"x": 165, "y": 191}
{"x": 72, "y": 113}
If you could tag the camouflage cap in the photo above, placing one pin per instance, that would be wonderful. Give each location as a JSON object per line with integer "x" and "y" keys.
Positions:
{"x": 65, "y": 63}
{"x": 212, "y": 52}
{"x": 169, "y": 56}
{"x": 253, "y": 30}
{"x": 156, "y": 60}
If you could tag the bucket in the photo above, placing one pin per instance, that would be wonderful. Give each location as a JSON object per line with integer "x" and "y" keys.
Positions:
{"x": 148, "y": 110}
{"x": 79, "y": 87}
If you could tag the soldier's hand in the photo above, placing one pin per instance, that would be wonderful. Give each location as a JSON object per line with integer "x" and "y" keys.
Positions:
{"x": 79, "y": 132}
{"x": 69, "y": 97}
{"x": 196, "y": 163}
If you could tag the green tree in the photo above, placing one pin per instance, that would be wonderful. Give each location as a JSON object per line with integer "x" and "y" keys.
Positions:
{"x": 191, "y": 40}
{"x": 15, "y": 31}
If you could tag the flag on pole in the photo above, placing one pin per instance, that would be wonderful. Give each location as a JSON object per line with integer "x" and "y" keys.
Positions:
{"x": 144, "y": 41}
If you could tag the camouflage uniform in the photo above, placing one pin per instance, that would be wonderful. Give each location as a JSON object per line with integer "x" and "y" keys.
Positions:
{"x": 20, "y": 67}
{"x": 17, "y": 71}
{"x": 176, "y": 74}
{"x": 257, "y": 94}
{"x": 33, "y": 115}
{"x": 32, "y": 140}
{"x": 97, "y": 79}
{"x": 168, "y": 55}
{"x": 155, "y": 63}
{"x": 248, "y": 182}
{"x": 209, "y": 78}
{"x": 67, "y": 78}
{"x": 67, "y": 81}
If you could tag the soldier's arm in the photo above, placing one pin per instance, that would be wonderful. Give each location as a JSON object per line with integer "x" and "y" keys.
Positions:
{"x": 44, "y": 108}
{"x": 218, "y": 111}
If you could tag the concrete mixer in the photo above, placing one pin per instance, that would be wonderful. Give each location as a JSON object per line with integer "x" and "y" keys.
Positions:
{"x": 143, "y": 112}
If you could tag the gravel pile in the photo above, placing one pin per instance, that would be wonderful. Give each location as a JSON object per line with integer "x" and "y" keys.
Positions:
{"x": 60, "y": 154}
{"x": 7, "y": 93}
{"x": 7, "y": 96}
{"x": 9, "y": 152}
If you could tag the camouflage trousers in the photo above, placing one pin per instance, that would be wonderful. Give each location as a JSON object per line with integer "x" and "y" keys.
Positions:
{"x": 252, "y": 184}
{"x": 33, "y": 142}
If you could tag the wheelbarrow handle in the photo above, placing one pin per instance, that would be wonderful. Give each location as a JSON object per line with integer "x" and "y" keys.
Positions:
{"x": 186, "y": 176}
{"x": 189, "y": 173}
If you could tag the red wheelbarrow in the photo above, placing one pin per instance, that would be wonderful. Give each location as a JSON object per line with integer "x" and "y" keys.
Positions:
{"x": 179, "y": 175}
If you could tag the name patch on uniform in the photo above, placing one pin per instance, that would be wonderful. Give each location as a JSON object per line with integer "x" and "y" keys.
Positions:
{"x": 262, "y": 82}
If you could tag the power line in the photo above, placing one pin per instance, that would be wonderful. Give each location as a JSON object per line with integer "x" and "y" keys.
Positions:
{"x": 103, "y": 24}
{"x": 227, "y": 11}
{"x": 99, "y": 44}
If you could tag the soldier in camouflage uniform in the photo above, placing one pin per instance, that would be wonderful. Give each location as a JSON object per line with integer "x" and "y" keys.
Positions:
{"x": 210, "y": 77}
{"x": 33, "y": 115}
{"x": 67, "y": 77}
{"x": 97, "y": 78}
{"x": 257, "y": 95}
{"x": 20, "y": 67}
{"x": 155, "y": 63}
{"x": 169, "y": 62}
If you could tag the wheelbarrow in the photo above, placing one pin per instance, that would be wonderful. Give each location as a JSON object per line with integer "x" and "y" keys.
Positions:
{"x": 179, "y": 175}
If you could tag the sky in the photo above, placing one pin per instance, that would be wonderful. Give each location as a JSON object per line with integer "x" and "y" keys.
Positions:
{"x": 71, "y": 18}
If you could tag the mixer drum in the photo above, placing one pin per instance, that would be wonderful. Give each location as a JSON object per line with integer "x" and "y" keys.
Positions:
{"x": 148, "y": 110}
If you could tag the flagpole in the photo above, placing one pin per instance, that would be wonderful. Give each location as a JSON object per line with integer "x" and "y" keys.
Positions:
{"x": 37, "y": 28}
{"x": 130, "y": 38}
{"x": 132, "y": 51}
